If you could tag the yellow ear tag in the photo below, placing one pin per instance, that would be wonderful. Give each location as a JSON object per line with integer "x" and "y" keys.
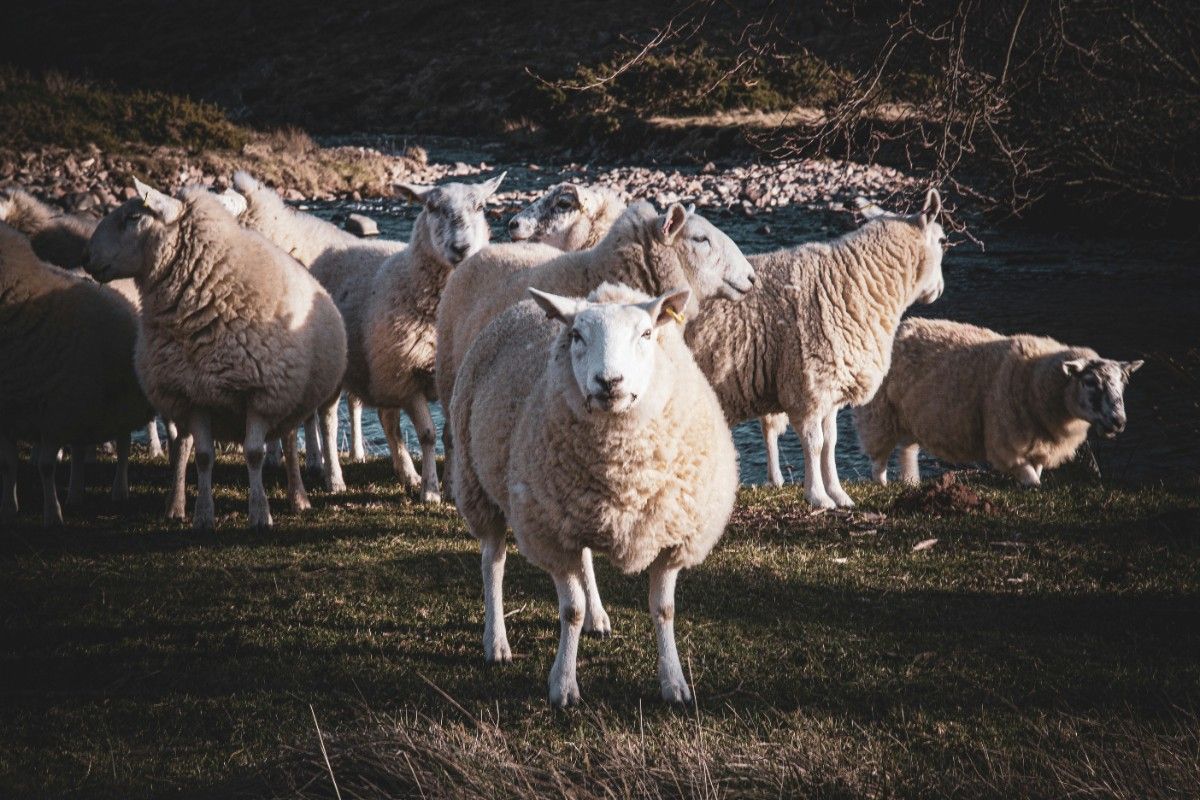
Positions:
{"x": 675, "y": 315}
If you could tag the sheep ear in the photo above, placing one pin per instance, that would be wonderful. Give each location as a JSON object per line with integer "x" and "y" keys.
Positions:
{"x": 163, "y": 206}
{"x": 234, "y": 203}
{"x": 868, "y": 209}
{"x": 933, "y": 206}
{"x": 1075, "y": 366}
{"x": 672, "y": 222}
{"x": 413, "y": 193}
{"x": 668, "y": 307}
{"x": 489, "y": 187}
{"x": 556, "y": 306}
{"x": 1130, "y": 367}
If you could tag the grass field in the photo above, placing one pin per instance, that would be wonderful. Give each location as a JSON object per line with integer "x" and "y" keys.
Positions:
{"x": 1050, "y": 648}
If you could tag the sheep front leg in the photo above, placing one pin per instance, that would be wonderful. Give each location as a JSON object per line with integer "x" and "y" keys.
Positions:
{"x": 255, "y": 448}
{"x": 910, "y": 470}
{"x": 829, "y": 472}
{"x": 495, "y": 634}
{"x": 596, "y": 621}
{"x": 418, "y": 412}
{"x": 662, "y": 613}
{"x": 47, "y": 462}
{"x": 402, "y": 463}
{"x": 572, "y": 602}
{"x": 772, "y": 426}
{"x": 812, "y": 437}
{"x": 77, "y": 482}
{"x": 358, "y": 453}
{"x": 1027, "y": 475}
{"x": 152, "y": 440}
{"x": 204, "y": 518}
{"x": 295, "y": 481}
{"x": 9, "y": 464}
{"x": 313, "y": 462}
{"x": 179, "y": 448}
{"x": 120, "y": 485}
{"x": 334, "y": 482}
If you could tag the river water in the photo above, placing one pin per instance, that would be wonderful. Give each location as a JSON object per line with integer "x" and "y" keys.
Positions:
{"x": 1125, "y": 298}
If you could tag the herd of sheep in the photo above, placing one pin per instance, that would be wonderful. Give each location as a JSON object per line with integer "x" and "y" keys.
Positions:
{"x": 590, "y": 369}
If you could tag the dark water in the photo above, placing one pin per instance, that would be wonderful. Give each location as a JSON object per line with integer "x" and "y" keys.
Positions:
{"x": 1125, "y": 298}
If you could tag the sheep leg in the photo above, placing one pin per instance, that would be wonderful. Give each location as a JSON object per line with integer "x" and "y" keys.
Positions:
{"x": 312, "y": 446}
{"x": 334, "y": 482}
{"x": 77, "y": 483}
{"x": 180, "y": 449}
{"x": 879, "y": 470}
{"x": 402, "y": 463}
{"x": 572, "y": 603}
{"x": 9, "y": 465}
{"x": 358, "y": 453}
{"x": 495, "y": 633}
{"x": 274, "y": 454}
{"x": 772, "y": 426}
{"x": 812, "y": 437}
{"x": 47, "y": 462}
{"x": 447, "y": 458}
{"x": 833, "y": 486}
{"x": 155, "y": 443}
{"x": 596, "y": 621}
{"x": 910, "y": 471}
{"x": 295, "y": 481}
{"x": 120, "y": 486}
{"x": 662, "y": 613}
{"x": 1027, "y": 475}
{"x": 204, "y": 518}
{"x": 255, "y": 448}
{"x": 418, "y": 411}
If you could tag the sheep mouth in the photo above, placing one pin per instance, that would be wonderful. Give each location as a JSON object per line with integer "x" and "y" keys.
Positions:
{"x": 100, "y": 273}
{"x": 734, "y": 292}
{"x": 612, "y": 402}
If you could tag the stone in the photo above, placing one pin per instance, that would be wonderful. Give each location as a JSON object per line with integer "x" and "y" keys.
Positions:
{"x": 361, "y": 225}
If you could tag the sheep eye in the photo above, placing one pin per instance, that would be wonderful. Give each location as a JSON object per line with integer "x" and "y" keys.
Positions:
{"x": 699, "y": 239}
{"x": 134, "y": 216}
{"x": 646, "y": 333}
{"x": 565, "y": 204}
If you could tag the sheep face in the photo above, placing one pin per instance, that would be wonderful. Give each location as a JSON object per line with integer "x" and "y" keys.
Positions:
{"x": 1096, "y": 391}
{"x": 713, "y": 264}
{"x": 560, "y": 218}
{"x": 453, "y": 217}
{"x": 118, "y": 246}
{"x": 613, "y": 345}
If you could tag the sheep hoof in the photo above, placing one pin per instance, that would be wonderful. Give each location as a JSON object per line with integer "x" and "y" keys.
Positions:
{"x": 597, "y": 625}
{"x": 335, "y": 487}
{"x": 203, "y": 524}
{"x": 677, "y": 693}
{"x": 177, "y": 514}
{"x": 842, "y": 499}
{"x": 300, "y": 503}
{"x": 499, "y": 653}
{"x": 431, "y": 496}
{"x": 564, "y": 694}
{"x": 820, "y": 501}
{"x": 52, "y": 520}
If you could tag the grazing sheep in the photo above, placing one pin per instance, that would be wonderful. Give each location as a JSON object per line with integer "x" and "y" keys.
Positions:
{"x": 601, "y": 434}
{"x": 817, "y": 334}
{"x": 568, "y": 216}
{"x": 966, "y": 394}
{"x": 66, "y": 357}
{"x": 337, "y": 259}
{"x": 237, "y": 341}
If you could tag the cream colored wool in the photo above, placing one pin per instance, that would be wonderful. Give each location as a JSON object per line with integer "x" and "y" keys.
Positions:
{"x": 66, "y": 357}
{"x": 969, "y": 394}
{"x": 816, "y": 334}
{"x": 652, "y": 487}
{"x": 237, "y": 341}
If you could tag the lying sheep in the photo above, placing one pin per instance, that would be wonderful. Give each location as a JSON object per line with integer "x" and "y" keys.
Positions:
{"x": 66, "y": 357}
{"x": 817, "y": 334}
{"x": 237, "y": 341}
{"x": 336, "y": 258}
{"x": 600, "y": 432}
{"x": 966, "y": 394}
{"x": 568, "y": 216}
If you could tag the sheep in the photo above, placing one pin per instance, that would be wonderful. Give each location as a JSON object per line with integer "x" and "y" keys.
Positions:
{"x": 236, "y": 340}
{"x": 599, "y": 432}
{"x": 968, "y": 394}
{"x": 568, "y": 216}
{"x": 817, "y": 333}
{"x": 337, "y": 259}
{"x": 66, "y": 354}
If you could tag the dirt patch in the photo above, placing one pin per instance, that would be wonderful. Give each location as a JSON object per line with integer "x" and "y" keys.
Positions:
{"x": 942, "y": 496}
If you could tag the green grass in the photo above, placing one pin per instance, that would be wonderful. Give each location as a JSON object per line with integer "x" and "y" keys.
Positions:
{"x": 1049, "y": 649}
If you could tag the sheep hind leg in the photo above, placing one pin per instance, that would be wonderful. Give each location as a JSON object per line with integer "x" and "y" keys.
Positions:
{"x": 772, "y": 426}
{"x": 495, "y": 634}
{"x": 255, "y": 448}
{"x": 153, "y": 442}
{"x": 418, "y": 412}
{"x": 77, "y": 482}
{"x": 274, "y": 454}
{"x": 572, "y": 603}
{"x": 358, "y": 452}
{"x": 47, "y": 463}
{"x": 297, "y": 497}
{"x": 334, "y": 482}
{"x": 402, "y": 463}
{"x": 662, "y": 614}
{"x": 9, "y": 464}
{"x": 120, "y": 485}
{"x": 179, "y": 448}
{"x": 812, "y": 437}
{"x": 833, "y": 486}
{"x": 910, "y": 470}
{"x": 314, "y": 464}
{"x": 596, "y": 621}
{"x": 204, "y": 518}
{"x": 879, "y": 467}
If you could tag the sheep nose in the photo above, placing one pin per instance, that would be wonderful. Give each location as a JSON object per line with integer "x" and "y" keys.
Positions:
{"x": 1118, "y": 424}
{"x": 609, "y": 385}
{"x": 752, "y": 277}
{"x": 459, "y": 250}
{"x": 514, "y": 224}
